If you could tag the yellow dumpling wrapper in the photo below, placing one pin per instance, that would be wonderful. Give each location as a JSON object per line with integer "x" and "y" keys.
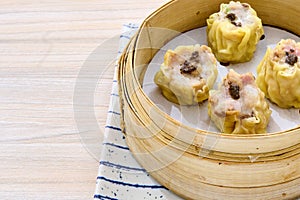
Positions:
{"x": 239, "y": 106}
{"x": 234, "y": 32}
{"x": 187, "y": 74}
{"x": 278, "y": 74}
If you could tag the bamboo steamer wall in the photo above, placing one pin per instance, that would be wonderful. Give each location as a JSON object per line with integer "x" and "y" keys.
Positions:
{"x": 198, "y": 164}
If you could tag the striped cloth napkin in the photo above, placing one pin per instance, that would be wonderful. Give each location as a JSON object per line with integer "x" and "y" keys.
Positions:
{"x": 120, "y": 176}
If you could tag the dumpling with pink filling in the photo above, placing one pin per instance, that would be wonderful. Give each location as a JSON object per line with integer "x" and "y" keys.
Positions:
{"x": 234, "y": 32}
{"x": 278, "y": 74}
{"x": 239, "y": 106}
{"x": 187, "y": 74}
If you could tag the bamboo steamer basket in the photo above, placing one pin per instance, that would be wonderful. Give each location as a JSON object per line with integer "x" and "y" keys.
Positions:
{"x": 193, "y": 163}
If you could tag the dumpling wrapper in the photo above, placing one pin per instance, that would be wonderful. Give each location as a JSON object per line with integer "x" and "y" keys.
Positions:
{"x": 187, "y": 74}
{"x": 234, "y": 32}
{"x": 239, "y": 106}
{"x": 278, "y": 74}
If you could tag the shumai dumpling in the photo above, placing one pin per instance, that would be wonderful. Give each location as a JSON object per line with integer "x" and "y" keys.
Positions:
{"x": 234, "y": 32}
{"x": 278, "y": 74}
{"x": 239, "y": 106}
{"x": 187, "y": 74}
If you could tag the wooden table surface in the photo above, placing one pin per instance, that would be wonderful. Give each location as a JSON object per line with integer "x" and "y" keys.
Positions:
{"x": 50, "y": 145}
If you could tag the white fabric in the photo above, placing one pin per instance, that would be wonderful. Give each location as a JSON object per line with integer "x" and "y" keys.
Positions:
{"x": 120, "y": 176}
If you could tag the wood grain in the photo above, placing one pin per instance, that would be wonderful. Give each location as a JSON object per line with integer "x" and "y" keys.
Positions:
{"x": 44, "y": 45}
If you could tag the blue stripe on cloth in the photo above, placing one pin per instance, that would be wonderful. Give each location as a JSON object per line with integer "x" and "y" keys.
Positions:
{"x": 130, "y": 184}
{"x": 125, "y": 36}
{"x": 113, "y": 128}
{"x": 109, "y": 164}
{"x": 114, "y": 112}
{"x": 131, "y": 26}
{"x": 114, "y": 94}
{"x": 115, "y": 145}
{"x": 99, "y": 196}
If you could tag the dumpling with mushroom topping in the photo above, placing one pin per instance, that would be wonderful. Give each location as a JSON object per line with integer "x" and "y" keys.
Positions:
{"x": 187, "y": 74}
{"x": 234, "y": 32}
{"x": 279, "y": 74}
{"x": 239, "y": 106}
